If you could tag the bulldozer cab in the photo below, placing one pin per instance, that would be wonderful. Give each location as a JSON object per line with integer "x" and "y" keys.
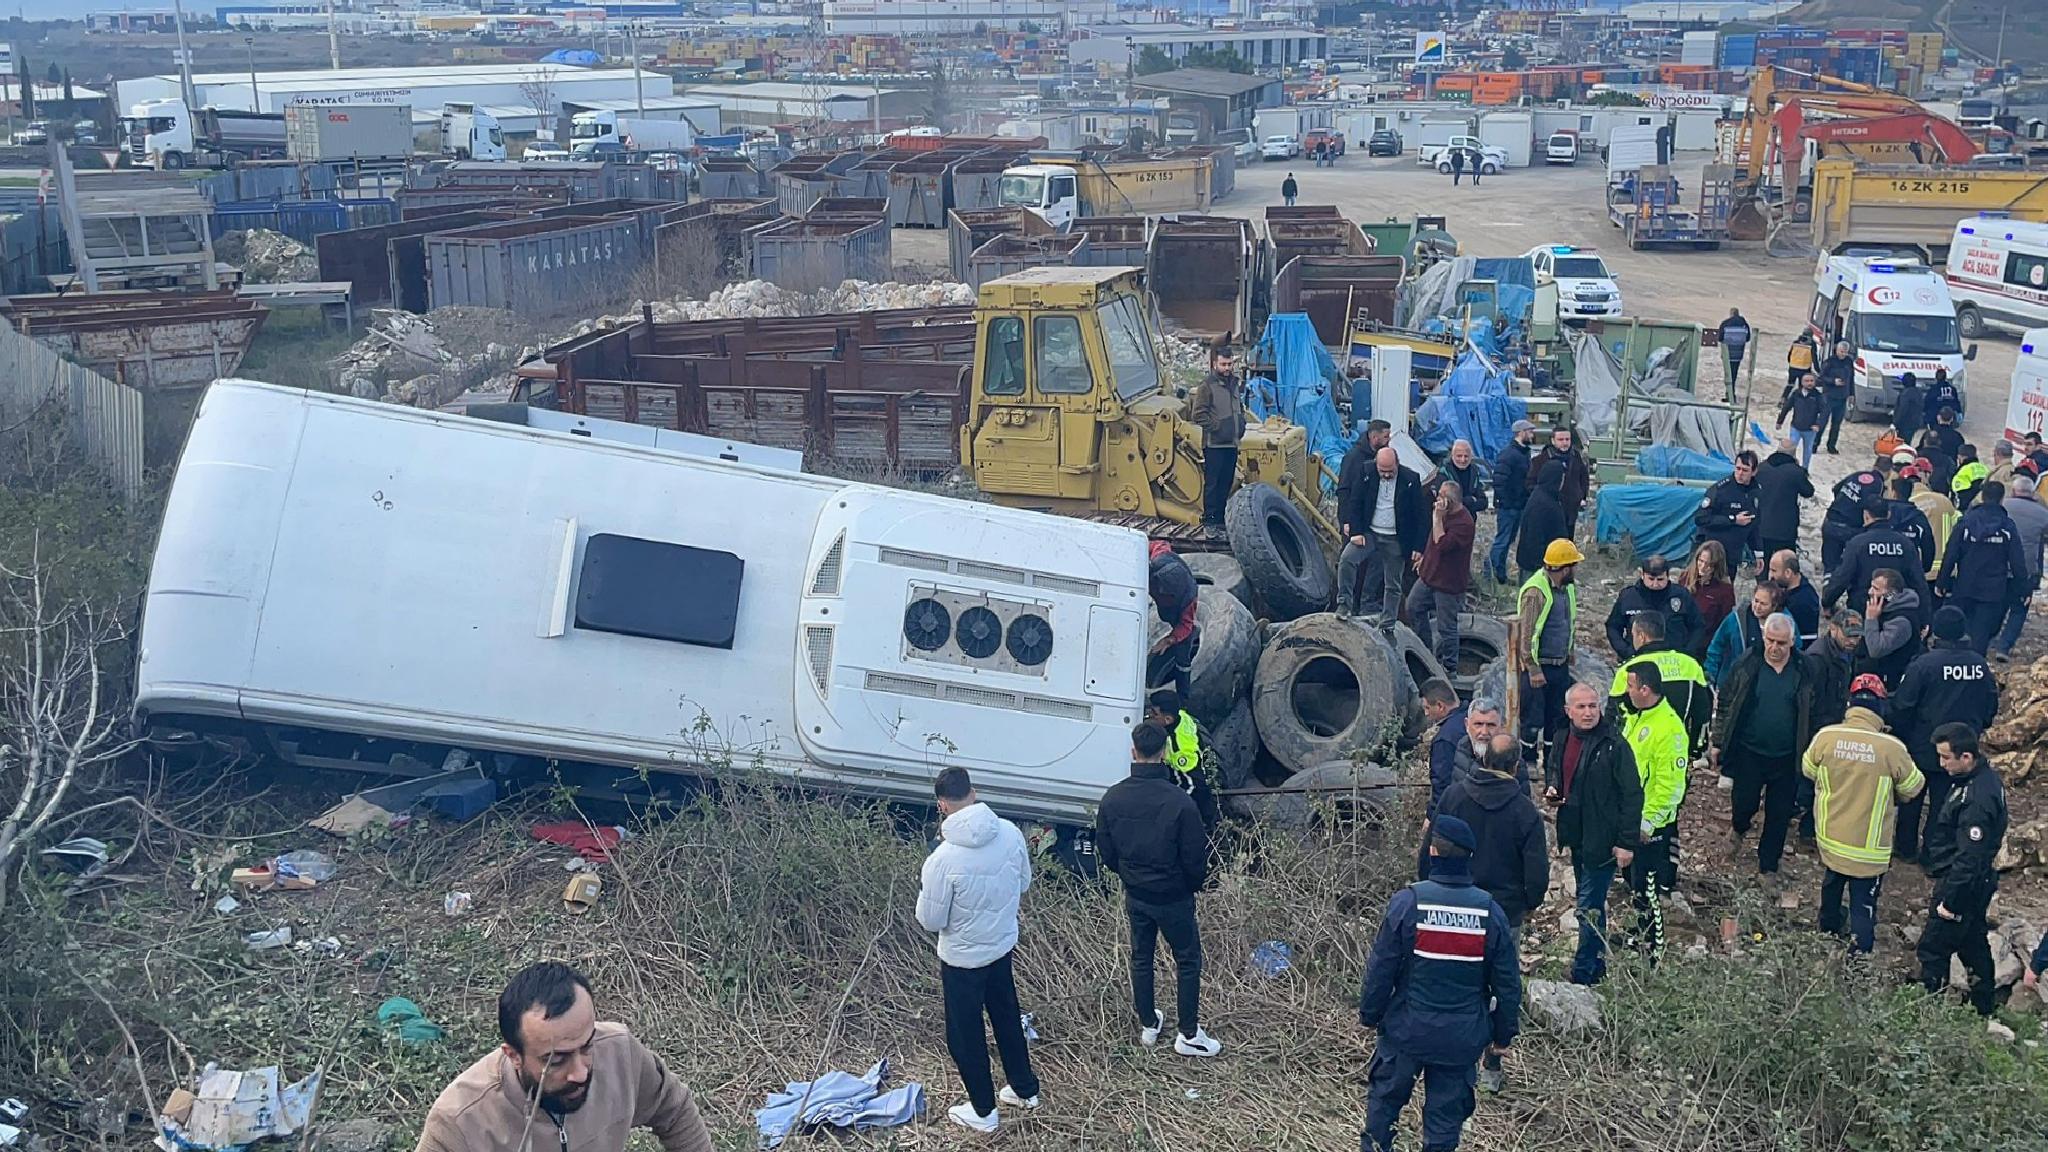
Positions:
{"x": 1071, "y": 412}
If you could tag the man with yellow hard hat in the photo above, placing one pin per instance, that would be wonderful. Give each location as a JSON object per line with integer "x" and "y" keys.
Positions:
{"x": 1547, "y": 610}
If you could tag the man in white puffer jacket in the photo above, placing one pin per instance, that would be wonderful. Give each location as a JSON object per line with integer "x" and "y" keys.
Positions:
{"x": 971, "y": 886}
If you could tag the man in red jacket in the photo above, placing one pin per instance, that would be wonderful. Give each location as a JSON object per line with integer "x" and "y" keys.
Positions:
{"x": 1445, "y": 574}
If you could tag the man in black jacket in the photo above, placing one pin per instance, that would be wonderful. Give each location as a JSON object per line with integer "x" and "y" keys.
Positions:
{"x": 1941, "y": 394}
{"x": 1653, "y": 591}
{"x": 1578, "y": 478}
{"x": 1963, "y": 842}
{"x": 1911, "y": 520}
{"x": 1801, "y": 602}
{"x": 1149, "y": 833}
{"x": 1543, "y": 519}
{"x": 1510, "y": 496}
{"x": 1948, "y": 682}
{"x": 1879, "y": 545}
{"x": 1909, "y": 408}
{"x": 1728, "y": 514}
{"x": 1838, "y": 380}
{"x": 1845, "y": 511}
{"x": 1386, "y": 527}
{"x": 1984, "y": 565}
{"x": 1511, "y": 863}
{"x": 1763, "y": 723}
{"x": 1593, "y": 781}
{"x": 1809, "y": 412}
{"x": 1780, "y": 485}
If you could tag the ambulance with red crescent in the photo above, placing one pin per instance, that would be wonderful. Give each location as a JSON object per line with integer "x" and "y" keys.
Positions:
{"x": 1897, "y": 316}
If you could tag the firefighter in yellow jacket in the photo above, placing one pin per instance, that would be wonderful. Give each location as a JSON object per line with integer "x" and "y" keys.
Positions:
{"x": 1860, "y": 774}
{"x": 1191, "y": 763}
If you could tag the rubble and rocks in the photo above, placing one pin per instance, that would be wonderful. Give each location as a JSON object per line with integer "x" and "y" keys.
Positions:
{"x": 1567, "y": 1009}
{"x": 267, "y": 257}
{"x": 427, "y": 361}
{"x": 2017, "y": 736}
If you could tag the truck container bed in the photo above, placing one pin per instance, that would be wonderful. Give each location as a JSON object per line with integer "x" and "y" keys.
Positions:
{"x": 1337, "y": 291}
{"x": 1202, "y": 271}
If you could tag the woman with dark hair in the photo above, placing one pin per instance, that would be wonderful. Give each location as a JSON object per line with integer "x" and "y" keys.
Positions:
{"x": 1707, "y": 579}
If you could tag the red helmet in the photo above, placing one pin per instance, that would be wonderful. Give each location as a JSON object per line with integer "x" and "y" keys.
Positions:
{"x": 1868, "y": 682}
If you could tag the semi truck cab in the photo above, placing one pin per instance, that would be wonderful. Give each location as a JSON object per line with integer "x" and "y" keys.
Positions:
{"x": 1049, "y": 191}
{"x": 470, "y": 133}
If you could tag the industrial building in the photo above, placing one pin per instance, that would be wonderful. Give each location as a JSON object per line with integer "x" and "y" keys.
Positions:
{"x": 957, "y": 17}
{"x": 425, "y": 90}
{"x": 1219, "y": 101}
{"x": 1118, "y": 46}
{"x": 767, "y": 103}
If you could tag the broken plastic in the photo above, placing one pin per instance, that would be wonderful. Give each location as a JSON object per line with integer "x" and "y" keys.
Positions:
{"x": 306, "y": 865}
{"x": 266, "y": 941}
{"x": 231, "y": 1109}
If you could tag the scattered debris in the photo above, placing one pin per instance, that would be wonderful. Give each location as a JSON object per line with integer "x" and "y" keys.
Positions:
{"x": 582, "y": 892}
{"x": 9, "y": 1136}
{"x": 460, "y": 800}
{"x": 1567, "y": 1009}
{"x": 1999, "y": 1032}
{"x": 324, "y": 946}
{"x": 456, "y": 903}
{"x": 304, "y": 869}
{"x": 592, "y": 842}
{"x": 267, "y": 941}
{"x": 226, "y": 905}
{"x": 1030, "y": 1023}
{"x": 267, "y": 257}
{"x": 840, "y": 1100}
{"x": 83, "y": 856}
{"x": 1272, "y": 958}
{"x": 231, "y": 1109}
{"x": 404, "y": 1019}
{"x": 257, "y": 876}
{"x": 356, "y": 814}
{"x": 14, "y": 1113}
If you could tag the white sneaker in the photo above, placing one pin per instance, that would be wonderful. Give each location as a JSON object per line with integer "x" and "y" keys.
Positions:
{"x": 1200, "y": 1044}
{"x": 1150, "y": 1036}
{"x": 1009, "y": 1096}
{"x": 965, "y": 1116}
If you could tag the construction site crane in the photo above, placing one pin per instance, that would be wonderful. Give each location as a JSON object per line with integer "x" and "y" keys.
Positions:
{"x": 1770, "y": 88}
{"x": 1781, "y": 101}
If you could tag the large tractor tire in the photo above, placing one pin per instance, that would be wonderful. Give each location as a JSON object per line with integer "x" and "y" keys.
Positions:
{"x": 1279, "y": 553}
{"x": 1327, "y": 689}
{"x": 1482, "y": 639}
{"x": 1221, "y": 572}
{"x": 1588, "y": 667}
{"x": 1338, "y": 787}
{"x": 1235, "y": 743}
{"x": 1226, "y": 658}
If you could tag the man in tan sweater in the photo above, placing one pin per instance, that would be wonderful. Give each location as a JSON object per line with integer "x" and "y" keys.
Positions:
{"x": 562, "y": 1081}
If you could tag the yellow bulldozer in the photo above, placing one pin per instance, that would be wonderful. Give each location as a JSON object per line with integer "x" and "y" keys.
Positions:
{"x": 1072, "y": 413}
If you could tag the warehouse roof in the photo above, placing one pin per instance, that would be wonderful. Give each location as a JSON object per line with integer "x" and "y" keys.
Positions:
{"x": 438, "y": 76}
{"x": 771, "y": 90}
{"x": 1192, "y": 34}
{"x": 1202, "y": 82}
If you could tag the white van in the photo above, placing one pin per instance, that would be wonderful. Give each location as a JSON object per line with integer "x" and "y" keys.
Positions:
{"x": 1998, "y": 274}
{"x": 1897, "y": 316}
{"x": 2027, "y": 408}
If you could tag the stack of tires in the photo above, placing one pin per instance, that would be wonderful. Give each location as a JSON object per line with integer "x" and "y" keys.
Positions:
{"x": 1291, "y": 694}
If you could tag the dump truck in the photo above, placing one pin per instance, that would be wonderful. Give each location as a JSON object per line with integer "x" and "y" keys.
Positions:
{"x": 1910, "y": 210}
{"x": 835, "y": 634}
{"x": 1062, "y": 186}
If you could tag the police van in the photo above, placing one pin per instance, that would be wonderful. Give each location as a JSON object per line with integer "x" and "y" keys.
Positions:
{"x": 1998, "y": 274}
{"x": 1897, "y": 317}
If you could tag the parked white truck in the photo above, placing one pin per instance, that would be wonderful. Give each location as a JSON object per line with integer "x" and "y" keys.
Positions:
{"x": 1491, "y": 158}
{"x": 338, "y": 583}
{"x": 470, "y": 133}
{"x": 589, "y": 131}
{"x": 166, "y": 134}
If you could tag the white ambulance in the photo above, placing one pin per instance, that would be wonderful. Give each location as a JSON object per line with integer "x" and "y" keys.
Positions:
{"x": 2027, "y": 410}
{"x": 1998, "y": 274}
{"x": 1897, "y": 317}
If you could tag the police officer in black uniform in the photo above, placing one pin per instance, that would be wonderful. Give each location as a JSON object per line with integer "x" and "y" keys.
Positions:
{"x": 1844, "y": 517}
{"x": 1653, "y": 591}
{"x": 1962, "y": 844}
{"x": 1879, "y": 545}
{"x": 1729, "y": 514}
{"x": 1984, "y": 567}
{"x": 1948, "y": 682}
{"x": 1907, "y": 517}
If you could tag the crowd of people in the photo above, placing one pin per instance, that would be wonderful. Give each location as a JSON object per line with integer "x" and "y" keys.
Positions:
{"x": 1842, "y": 709}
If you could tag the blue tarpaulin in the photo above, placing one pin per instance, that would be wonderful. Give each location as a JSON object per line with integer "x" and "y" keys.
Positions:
{"x": 1302, "y": 392}
{"x": 578, "y": 57}
{"x": 1669, "y": 460}
{"x": 1472, "y": 403}
{"x": 1656, "y": 518}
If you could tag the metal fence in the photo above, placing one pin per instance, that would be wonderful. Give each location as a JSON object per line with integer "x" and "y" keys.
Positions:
{"x": 104, "y": 417}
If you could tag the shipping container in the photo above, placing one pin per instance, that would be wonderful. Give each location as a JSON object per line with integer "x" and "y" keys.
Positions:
{"x": 362, "y": 256}
{"x": 1311, "y": 230}
{"x": 806, "y": 255}
{"x": 978, "y": 180}
{"x": 1006, "y": 254}
{"x": 648, "y": 215}
{"x": 728, "y": 177}
{"x": 1336, "y": 290}
{"x": 538, "y": 267}
{"x": 325, "y": 133}
{"x": 969, "y": 228}
{"x": 917, "y": 192}
{"x": 417, "y": 203}
{"x": 713, "y": 230}
{"x": 1513, "y": 132}
{"x": 1115, "y": 241}
{"x": 302, "y": 220}
{"x": 1202, "y": 271}
{"x": 795, "y": 192}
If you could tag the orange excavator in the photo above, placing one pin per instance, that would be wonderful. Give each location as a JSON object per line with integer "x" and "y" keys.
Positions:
{"x": 1915, "y": 137}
